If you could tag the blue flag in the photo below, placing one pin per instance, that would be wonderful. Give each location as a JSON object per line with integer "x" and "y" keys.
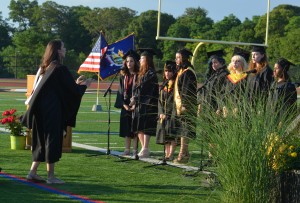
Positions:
{"x": 112, "y": 61}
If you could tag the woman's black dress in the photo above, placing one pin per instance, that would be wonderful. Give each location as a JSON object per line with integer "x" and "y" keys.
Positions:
{"x": 146, "y": 97}
{"x": 166, "y": 129}
{"x": 283, "y": 99}
{"x": 124, "y": 95}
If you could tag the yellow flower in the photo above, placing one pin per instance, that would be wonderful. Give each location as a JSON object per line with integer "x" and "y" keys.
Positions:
{"x": 272, "y": 140}
{"x": 291, "y": 147}
{"x": 282, "y": 148}
{"x": 293, "y": 154}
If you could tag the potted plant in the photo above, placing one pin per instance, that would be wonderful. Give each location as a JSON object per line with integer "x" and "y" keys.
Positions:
{"x": 12, "y": 123}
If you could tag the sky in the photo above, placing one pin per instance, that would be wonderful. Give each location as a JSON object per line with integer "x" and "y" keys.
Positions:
{"x": 217, "y": 9}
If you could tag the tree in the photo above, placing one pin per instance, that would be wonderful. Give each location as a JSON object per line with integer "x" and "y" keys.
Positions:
{"x": 113, "y": 21}
{"x": 145, "y": 27}
{"x": 220, "y": 29}
{"x": 5, "y": 30}
{"x": 192, "y": 24}
{"x": 170, "y": 47}
{"x": 22, "y": 12}
{"x": 73, "y": 33}
{"x": 279, "y": 17}
{"x": 197, "y": 21}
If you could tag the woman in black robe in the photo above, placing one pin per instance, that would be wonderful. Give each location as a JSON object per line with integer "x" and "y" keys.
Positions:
{"x": 185, "y": 98}
{"x": 166, "y": 125}
{"x": 283, "y": 94}
{"x": 127, "y": 82}
{"x": 212, "y": 91}
{"x": 52, "y": 107}
{"x": 145, "y": 102}
{"x": 236, "y": 81}
{"x": 259, "y": 82}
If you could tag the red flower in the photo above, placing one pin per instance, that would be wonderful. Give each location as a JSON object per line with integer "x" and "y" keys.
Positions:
{"x": 10, "y": 119}
{"x": 4, "y": 120}
{"x": 12, "y": 122}
{"x": 6, "y": 113}
{"x": 12, "y": 111}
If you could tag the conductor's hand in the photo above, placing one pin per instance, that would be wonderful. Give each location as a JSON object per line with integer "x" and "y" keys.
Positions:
{"x": 80, "y": 79}
{"x": 87, "y": 82}
{"x": 83, "y": 81}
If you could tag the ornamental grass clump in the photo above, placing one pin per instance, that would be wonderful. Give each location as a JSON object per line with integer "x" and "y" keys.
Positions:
{"x": 236, "y": 138}
{"x": 12, "y": 122}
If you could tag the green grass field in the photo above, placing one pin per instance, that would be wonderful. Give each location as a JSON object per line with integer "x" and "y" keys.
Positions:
{"x": 99, "y": 176}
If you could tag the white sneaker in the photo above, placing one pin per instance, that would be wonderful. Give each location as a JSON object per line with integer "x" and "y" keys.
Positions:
{"x": 141, "y": 152}
{"x": 54, "y": 181}
{"x": 35, "y": 178}
{"x": 145, "y": 153}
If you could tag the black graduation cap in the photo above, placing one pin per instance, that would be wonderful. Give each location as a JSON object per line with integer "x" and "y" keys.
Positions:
{"x": 217, "y": 53}
{"x": 284, "y": 63}
{"x": 132, "y": 54}
{"x": 260, "y": 49}
{"x": 241, "y": 52}
{"x": 170, "y": 65}
{"x": 185, "y": 53}
{"x": 147, "y": 52}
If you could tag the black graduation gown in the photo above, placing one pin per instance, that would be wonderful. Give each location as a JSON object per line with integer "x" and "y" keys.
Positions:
{"x": 258, "y": 85}
{"x": 166, "y": 129}
{"x": 283, "y": 98}
{"x": 123, "y": 97}
{"x": 146, "y": 97}
{"x": 53, "y": 107}
{"x": 213, "y": 89}
{"x": 234, "y": 92}
{"x": 187, "y": 88}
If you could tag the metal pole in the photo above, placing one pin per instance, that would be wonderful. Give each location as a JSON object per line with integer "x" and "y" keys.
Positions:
{"x": 16, "y": 64}
{"x": 207, "y": 41}
{"x": 158, "y": 18}
{"x": 98, "y": 89}
{"x": 267, "y": 26}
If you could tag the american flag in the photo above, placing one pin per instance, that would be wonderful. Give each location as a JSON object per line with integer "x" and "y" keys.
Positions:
{"x": 92, "y": 62}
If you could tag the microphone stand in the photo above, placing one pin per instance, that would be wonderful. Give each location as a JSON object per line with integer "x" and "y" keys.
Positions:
{"x": 108, "y": 91}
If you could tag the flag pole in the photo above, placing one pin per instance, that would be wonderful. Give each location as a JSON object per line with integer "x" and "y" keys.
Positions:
{"x": 98, "y": 87}
{"x": 97, "y": 107}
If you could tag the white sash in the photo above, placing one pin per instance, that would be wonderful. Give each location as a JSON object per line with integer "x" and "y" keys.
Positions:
{"x": 36, "y": 82}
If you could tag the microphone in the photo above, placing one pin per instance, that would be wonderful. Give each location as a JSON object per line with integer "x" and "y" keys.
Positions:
{"x": 122, "y": 68}
{"x": 297, "y": 84}
{"x": 250, "y": 71}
